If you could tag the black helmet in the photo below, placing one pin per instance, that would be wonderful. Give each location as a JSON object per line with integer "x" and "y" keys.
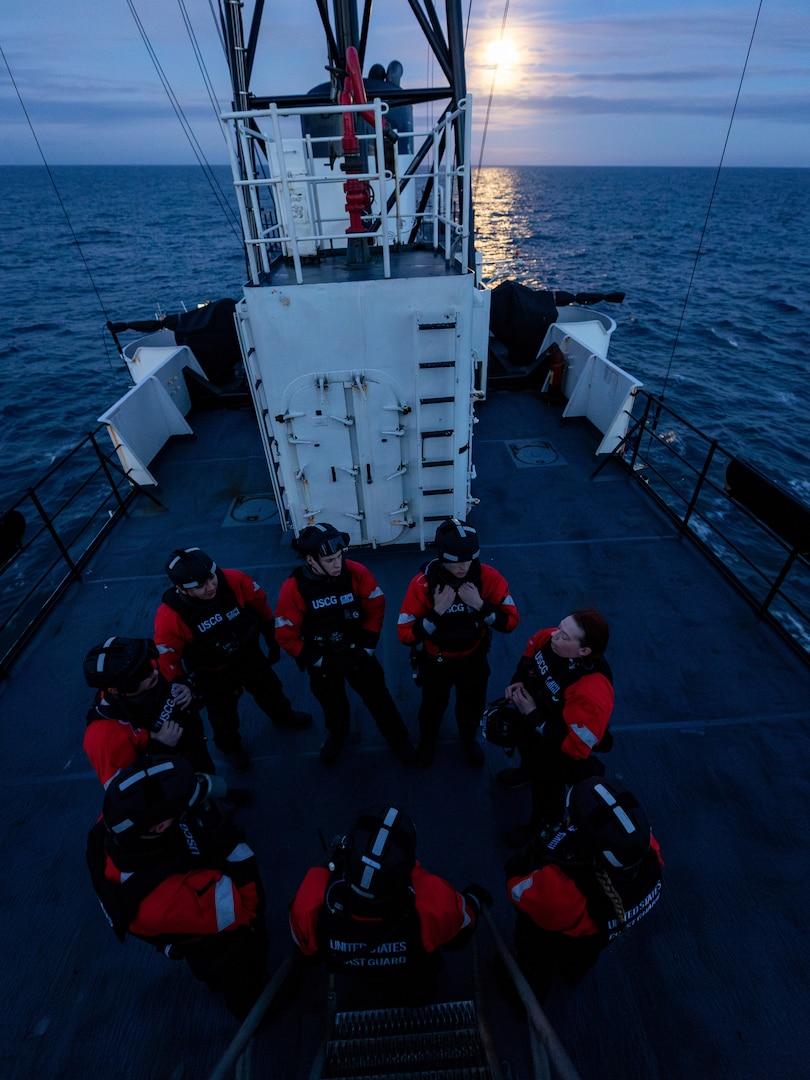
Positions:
{"x": 121, "y": 663}
{"x": 153, "y": 789}
{"x": 503, "y": 724}
{"x": 320, "y": 541}
{"x": 380, "y": 854}
{"x": 457, "y": 541}
{"x": 190, "y": 567}
{"x": 612, "y": 820}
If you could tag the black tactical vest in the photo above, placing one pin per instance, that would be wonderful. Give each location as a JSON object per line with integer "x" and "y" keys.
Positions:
{"x": 547, "y": 676}
{"x": 638, "y": 890}
{"x": 120, "y": 900}
{"x": 332, "y": 612}
{"x": 220, "y": 627}
{"x": 379, "y": 951}
{"x": 458, "y": 630}
{"x": 150, "y": 710}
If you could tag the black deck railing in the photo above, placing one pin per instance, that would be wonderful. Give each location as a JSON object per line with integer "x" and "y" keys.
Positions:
{"x": 48, "y": 534}
{"x": 755, "y": 532}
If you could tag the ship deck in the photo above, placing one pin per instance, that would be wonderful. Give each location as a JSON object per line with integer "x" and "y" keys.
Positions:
{"x": 405, "y": 262}
{"x": 711, "y": 732}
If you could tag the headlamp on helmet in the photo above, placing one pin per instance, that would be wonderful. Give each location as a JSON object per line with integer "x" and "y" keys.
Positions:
{"x": 189, "y": 568}
{"x": 120, "y": 663}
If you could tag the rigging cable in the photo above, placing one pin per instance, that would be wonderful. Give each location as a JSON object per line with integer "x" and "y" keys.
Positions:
{"x": 209, "y": 86}
{"x": 489, "y": 102}
{"x": 711, "y": 202}
{"x": 55, "y": 187}
{"x": 217, "y": 191}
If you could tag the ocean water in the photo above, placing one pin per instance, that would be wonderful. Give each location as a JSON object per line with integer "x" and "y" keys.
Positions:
{"x": 730, "y": 352}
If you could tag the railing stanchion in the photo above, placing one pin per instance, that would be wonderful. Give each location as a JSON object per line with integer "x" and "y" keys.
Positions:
{"x": 699, "y": 484}
{"x": 52, "y": 530}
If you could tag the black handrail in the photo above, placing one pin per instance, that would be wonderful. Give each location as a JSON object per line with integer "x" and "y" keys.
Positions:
{"x": 74, "y": 498}
{"x": 726, "y": 529}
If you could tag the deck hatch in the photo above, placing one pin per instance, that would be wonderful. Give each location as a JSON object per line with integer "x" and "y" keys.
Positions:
{"x": 529, "y": 453}
{"x": 257, "y": 509}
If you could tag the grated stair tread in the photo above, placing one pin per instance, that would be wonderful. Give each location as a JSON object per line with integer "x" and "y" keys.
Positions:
{"x": 441, "y": 1042}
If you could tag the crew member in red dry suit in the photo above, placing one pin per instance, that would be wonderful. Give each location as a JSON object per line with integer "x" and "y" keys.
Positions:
{"x": 578, "y": 889}
{"x": 328, "y": 618}
{"x": 170, "y": 866}
{"x": 209, "y": 626}
{"x": 563, "y": 688}
{"x": 377, "y": 917}
{"x": 449, "y": 612}
{"x": 137, "y": 711}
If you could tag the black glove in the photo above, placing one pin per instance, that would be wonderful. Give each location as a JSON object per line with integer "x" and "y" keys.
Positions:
{"x": 273, "y": 647}
{"x": 478, "y": 896}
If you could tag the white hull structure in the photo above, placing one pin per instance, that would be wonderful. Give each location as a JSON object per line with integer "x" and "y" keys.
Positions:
{"x": 367, "y": 391}
{"x": 365, "y": 354}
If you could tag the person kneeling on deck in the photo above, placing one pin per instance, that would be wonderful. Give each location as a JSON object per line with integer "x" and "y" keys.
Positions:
{"x": 449, "y": 612}
{"x": 378, "y": 918}
{"x": 170, "y": 866}
{"x": 137, "y": 711}
{"x": 328, "y": 618}
{"x": 209, "y": 626}
{"x": 563, "y": 689}
{"x": 577, "y": 890}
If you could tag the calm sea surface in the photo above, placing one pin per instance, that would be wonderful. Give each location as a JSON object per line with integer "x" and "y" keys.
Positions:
{"x": 731, "y": 354}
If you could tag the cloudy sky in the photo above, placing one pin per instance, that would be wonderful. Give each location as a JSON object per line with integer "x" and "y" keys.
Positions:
{"x": 600, "y": 82}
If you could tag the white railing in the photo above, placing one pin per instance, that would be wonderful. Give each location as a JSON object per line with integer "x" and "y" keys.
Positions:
{"x": 291, "y": 199}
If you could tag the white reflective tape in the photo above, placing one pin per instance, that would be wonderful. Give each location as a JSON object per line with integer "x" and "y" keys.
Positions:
{"x": 626, "y": 823}
{"x": 517, "y": 891}
{"x": 586, "y": 736}
{"x": 377, "y": 592}
{"x": 154, "y": 770}
{"x": 116, "y": 773}
{"x": 240, "y": 853}
{"x": 380, "y": 840}
{"x": 223, "y": 901}
{"x": 405, "y": 617}
{"x": 604, "y": 794}
{"x": 466, "y": 914}
{"x": 390, "y": 816}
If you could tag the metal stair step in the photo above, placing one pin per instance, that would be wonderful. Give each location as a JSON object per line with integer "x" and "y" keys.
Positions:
{"x": 440, "y": 1041}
